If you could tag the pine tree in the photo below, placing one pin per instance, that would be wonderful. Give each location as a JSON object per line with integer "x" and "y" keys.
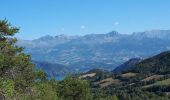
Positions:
{"x": 17, "y": 73}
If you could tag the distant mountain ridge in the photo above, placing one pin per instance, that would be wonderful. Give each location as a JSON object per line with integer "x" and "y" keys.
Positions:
{"x": 106, "y": 51}
{"x": 52, "y": 69}
{"x": 160, "y": 34}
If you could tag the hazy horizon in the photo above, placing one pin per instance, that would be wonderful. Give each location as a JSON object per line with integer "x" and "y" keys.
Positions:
{"x": 39, "y": 18}
{"x": 53, "y": 35}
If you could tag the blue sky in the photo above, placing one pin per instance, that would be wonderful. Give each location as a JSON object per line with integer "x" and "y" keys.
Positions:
{"x": 37, "y": 18}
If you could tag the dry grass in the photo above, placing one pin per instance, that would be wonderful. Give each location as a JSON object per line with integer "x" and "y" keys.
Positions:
{"x": 107, "y": 82}
{"x": 87, "y": 75}
{"x": 167, "y": 93}
{"x": 154, "y": 77}
{"x": 130, "y": 74}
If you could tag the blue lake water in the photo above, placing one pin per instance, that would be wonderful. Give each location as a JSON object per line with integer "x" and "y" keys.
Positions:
{"x": 59, "y": 78}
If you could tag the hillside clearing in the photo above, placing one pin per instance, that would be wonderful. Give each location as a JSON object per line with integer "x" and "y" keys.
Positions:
{"x": 107, "y": 82}
{"x": 130, "y": 74}
{"x": 87, "y": 75}
{"x": 159, "y": 83}
{"x": 153, "y": 77}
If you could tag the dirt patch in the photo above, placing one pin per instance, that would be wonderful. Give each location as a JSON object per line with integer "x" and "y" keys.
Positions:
{"x": 87, "y": 75}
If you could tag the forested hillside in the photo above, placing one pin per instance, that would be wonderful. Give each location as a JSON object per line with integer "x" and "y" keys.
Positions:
{"x": 148, "y": 79}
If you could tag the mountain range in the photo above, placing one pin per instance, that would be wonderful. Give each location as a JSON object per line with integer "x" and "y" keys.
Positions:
{"x": 105, "y": 51}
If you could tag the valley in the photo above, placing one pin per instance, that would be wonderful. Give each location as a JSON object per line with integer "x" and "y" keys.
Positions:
{"x": 103, "y": 51}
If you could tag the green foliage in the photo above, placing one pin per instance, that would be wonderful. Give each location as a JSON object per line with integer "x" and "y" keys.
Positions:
{"x": 19, "y": 77}
{"x": 114, "y": 97}
{"x": 40, "y": 76}
{"x": 6, "y": 29}
{"x": 45, "y": 91}
{"x": 74, "y": 89}
{"x": 7, "y": 86}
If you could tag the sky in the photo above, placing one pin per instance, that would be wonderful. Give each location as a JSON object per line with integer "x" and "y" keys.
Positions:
{"x": 37, "y": 18}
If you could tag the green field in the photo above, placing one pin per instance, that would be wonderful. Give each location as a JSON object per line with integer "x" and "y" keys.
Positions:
{"x": 159, "y": 83}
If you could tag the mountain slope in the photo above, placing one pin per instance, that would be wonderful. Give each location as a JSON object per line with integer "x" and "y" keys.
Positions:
{"x": 52, "y": 69}
{"x": 149, "y": 79}
{"x": 127, "y": 65}
{"x": 159, "y": 64}
{"x": 110, "y": 49}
